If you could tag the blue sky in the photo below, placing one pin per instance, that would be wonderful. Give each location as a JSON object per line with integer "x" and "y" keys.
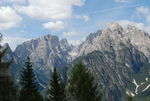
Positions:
{"x": 23, "y": 20}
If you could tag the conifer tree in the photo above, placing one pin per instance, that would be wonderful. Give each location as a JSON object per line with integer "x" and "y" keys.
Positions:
{"x": 29, "y": 85}
{"x": 82, "y": 86}
{"x": 129, "y": 98}
{"x": 7, "y": 88}
{"x": 56, "y": 90}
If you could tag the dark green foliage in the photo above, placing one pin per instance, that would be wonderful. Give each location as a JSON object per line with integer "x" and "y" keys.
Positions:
{"x": 7, "y": 89}
{"x": 142, "y": 98}
{"x": 82, "y": 86}
{"x": 56, "y": 91}
{"x": 129, "y": 98}
{"x": 29, "y": 85}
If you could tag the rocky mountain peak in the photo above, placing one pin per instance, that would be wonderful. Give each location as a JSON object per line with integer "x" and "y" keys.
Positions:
{"x": 6, "y": 46}
{"x": 131, "y": 27}
{"x": 43, "y": 51}
{"x": 114, "y": 26}
{"x": 113, "y": 35}
{"x": 8, "y": 55}
{"x": 91, "y": 36}
{"x": 65, "y": 45}
{"x": 115, "y": 54}
{"x": 51, "y": 38}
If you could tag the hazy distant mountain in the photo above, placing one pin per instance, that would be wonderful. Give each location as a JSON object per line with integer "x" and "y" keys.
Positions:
{"x": 118, "y": 56}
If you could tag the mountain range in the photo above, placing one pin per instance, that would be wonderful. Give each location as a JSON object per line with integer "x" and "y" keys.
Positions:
{"x": 119, "y": 58}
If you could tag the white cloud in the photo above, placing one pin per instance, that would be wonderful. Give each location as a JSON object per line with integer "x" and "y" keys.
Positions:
{"x": 144, "y": 12}
{"x": 13, "y": 1}
{"x": 74, "y": 37}
{"x": 123, "y": 0}
{"x": 8, "y": 18}
{"x": 83, "y": 17}
{"x": 125, "y": 23}
{"x": 86, "y": 18}
{"x": 14, "y": 41}
{"x": 49, "y": 9}
{"x": 70, "y": 34}
{"x": 75, "y": 42}
{"x": 18, "y": 1}
{"x": 74, "y": 34}
{"x": 141, "y": 26}
{"x": 58, "y": 25}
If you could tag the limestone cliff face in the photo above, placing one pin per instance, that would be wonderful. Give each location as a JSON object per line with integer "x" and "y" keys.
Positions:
{"x": 46, "y": 53}
{"x": 115, "y": 34}
{"x": 118, "y": 56}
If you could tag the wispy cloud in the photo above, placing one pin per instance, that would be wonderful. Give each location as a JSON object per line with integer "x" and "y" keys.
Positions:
{"x": 75, "y": 42}
{"x": 144, "y": 12}
{"x": 124, "y": 1}
{"x": 114, "y": 8}
{"x": 85, "y": 18}
{"x": 58, "y": 25}
{"x": 49, "y": 9}
{"x": 8, "y": 18}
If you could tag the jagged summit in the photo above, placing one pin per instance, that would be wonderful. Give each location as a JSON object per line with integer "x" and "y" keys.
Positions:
{"x": 91, "y": 36}
{"x": 45, "y": 52}
{"x": 115, "y": 34}
{"x": 114, "y": 26}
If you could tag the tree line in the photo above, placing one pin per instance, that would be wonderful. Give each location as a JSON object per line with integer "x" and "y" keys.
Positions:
{"x": 80, "y": 87}
{"x": 81, "y": 84}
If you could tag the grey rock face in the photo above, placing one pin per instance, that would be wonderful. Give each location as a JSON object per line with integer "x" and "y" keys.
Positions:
{"x": 113, "y": 35}
{"x": 118, "y": 56}
{"x": 116, "y": 73}
{"x": 46, "y": 53}
{"x": 9, "y": 54}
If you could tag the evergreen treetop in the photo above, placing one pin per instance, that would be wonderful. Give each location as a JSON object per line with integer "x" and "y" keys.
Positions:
{"x": 56, "y": 90}
{"x": 29, "y": 85}
{"x": 82, "y": 85}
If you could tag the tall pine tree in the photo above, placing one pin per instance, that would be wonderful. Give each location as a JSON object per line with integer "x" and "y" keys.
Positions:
{"x": 82, "y": 86}
{"x": 7, "y": 89}
{"x": 29, "y": 86}
{"x": 56, "y": 90}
